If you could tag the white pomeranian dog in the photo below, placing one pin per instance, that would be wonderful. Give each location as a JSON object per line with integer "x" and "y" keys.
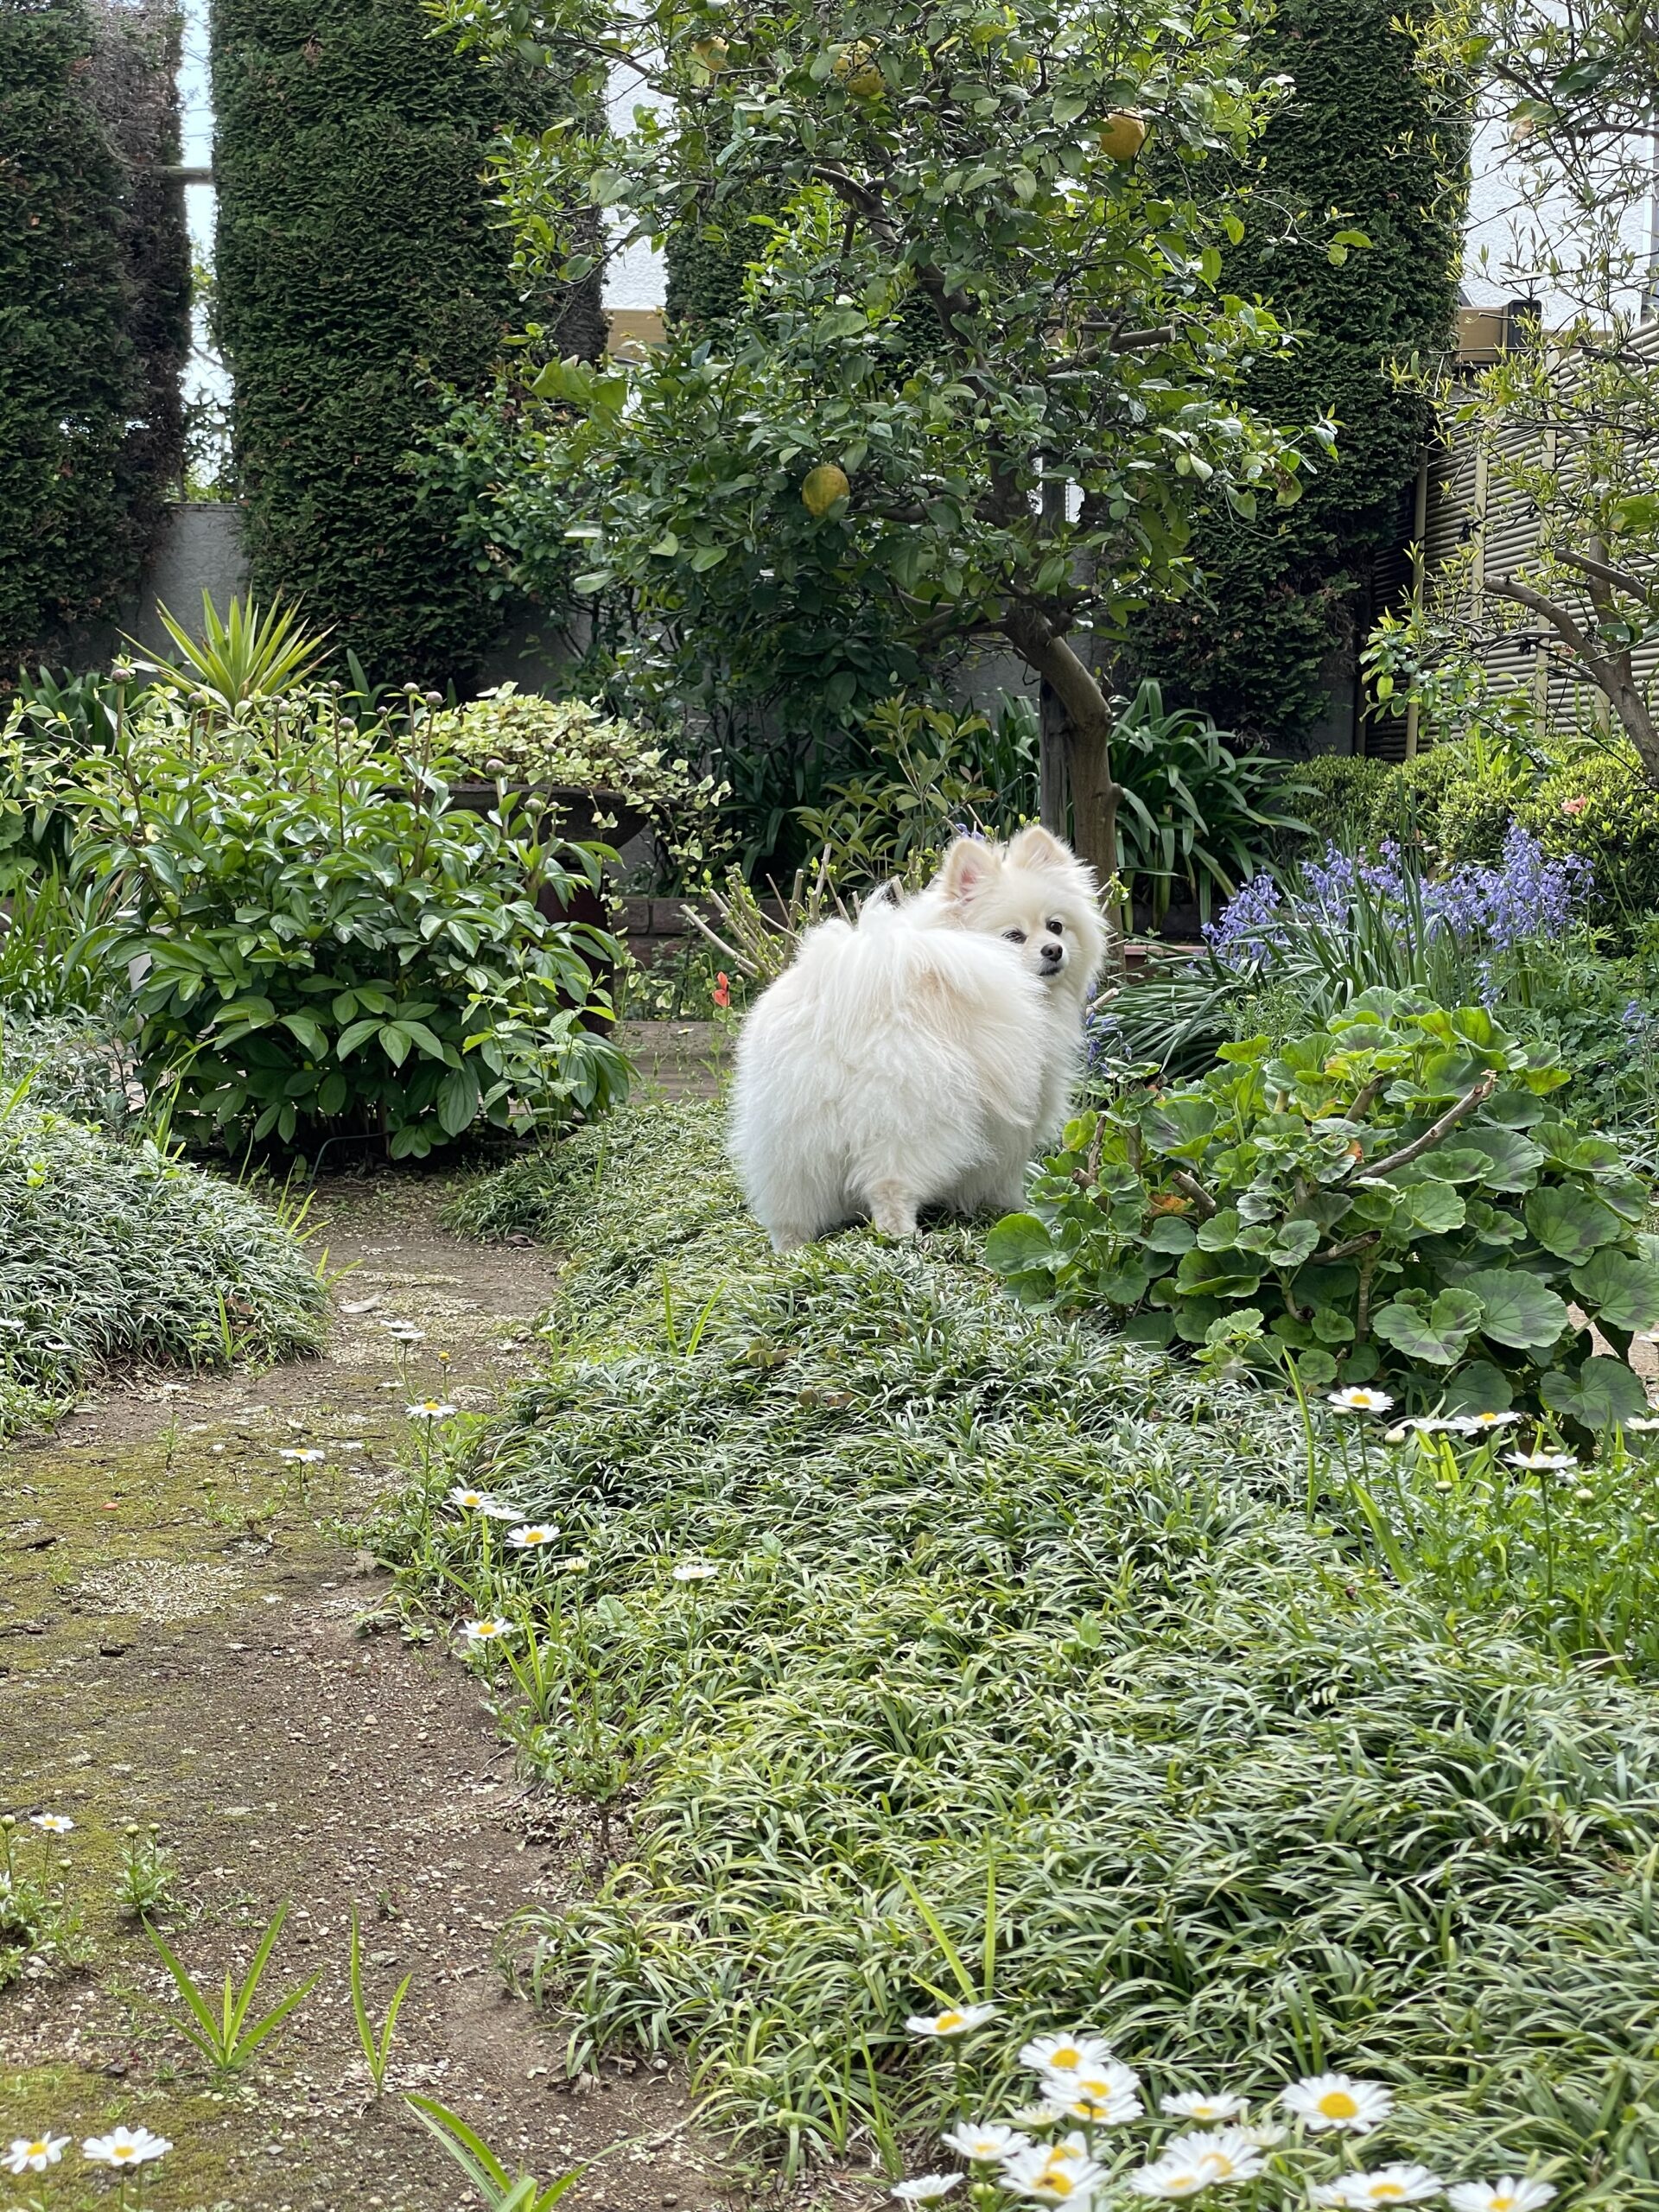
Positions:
{"x": 919, "y": 1056}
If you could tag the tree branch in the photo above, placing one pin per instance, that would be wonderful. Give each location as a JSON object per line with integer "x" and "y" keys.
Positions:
{"x": 1436, "y": 1131}
{"x": 1619, "y": 579}
{"x": 1557, "y": 617}
{"x": 1195, "y": 1191}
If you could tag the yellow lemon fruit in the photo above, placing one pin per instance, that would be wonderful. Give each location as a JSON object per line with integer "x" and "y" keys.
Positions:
{"x": 859, "y": 72}
{"x": 823, "y": 487}
{"x": 1122, "y": 135}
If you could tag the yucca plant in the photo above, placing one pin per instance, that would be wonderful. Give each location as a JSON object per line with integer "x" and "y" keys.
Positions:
{"x": 245, "y": 655}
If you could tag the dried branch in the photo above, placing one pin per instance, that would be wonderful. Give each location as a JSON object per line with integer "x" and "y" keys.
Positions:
{"x": 1436, "y": 1132}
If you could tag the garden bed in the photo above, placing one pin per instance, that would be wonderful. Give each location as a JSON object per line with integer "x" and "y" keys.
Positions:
{"x": 998, "y": 1606}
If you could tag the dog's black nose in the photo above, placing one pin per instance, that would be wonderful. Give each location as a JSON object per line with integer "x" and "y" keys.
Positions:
{"x": 1053, "y": 955}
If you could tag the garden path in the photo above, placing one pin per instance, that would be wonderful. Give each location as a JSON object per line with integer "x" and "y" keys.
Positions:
{"x": 187, "y": 1637}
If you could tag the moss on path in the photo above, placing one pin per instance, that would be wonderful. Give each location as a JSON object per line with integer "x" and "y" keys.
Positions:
{"x": 188, "y": 1638}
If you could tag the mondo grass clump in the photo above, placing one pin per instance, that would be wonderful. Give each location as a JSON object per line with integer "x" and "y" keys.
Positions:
{"x": 921, "y": 1651}
{"x": 114, "y": 1252}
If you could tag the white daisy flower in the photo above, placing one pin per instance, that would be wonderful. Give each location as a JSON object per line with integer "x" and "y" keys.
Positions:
{"x": 477, "y": 1501}
{"x": 307, "y": 1458}
{"x": 530, "y": 1535}
{"x": 125, "y": 2146}
{"x": 480, "y": 1633}
{"x": 1170, "y": 2177}
{"x": 1065, "y": 2054}
{"x": 1322, "y": 2100}
{"x": 51, "y": 1823}
{"x": 1192, "y": 2104}
{"x": 496, "y": 1510}
{"x": 1476, "y": 1424}
{"x": 1355, "y": 1400}
{"x": 405, "y": 1331}
{"x": 1552, "y": 1463}
{"x": 926, "y": 2188}
{"x": 1038, "y": 2173}
{"x": 1509, "y": 2194}
{"x": 695, "y": 1570}
{"x": 959, "y": 2021}
{"x": 430, "y": 1409}
{"x": 1642, "y": 1424}
{"x": 1397, "y": 2184}
{"x": 985, "y": 2142}
{"x": 1044, "y": 2113}
{"x": 1102, "y": 2095}
{"x": 1227, "y": 2154}
{"x": 1264, "y": 2133}
{"x": 578, "y": 1563}
{"x": 33, "y": 2154}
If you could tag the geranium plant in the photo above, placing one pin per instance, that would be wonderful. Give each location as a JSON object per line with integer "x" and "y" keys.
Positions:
{"x": 1392, "y": 1197}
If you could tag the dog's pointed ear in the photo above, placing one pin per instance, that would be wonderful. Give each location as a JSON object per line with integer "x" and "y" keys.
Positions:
{"x": 1036, "y": 847}
{"x": 967, "y": 868}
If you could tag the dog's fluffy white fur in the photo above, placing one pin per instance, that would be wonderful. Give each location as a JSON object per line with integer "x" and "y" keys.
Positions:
{"x": 919, "y": 1056}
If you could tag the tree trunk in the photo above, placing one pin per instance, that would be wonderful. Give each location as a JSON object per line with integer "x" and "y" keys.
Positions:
{"x": 1088, "y": 724}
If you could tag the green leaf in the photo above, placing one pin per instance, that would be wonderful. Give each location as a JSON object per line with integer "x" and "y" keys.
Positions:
{"x": 1020, "y": 1241}
{"x": 1434, "y": 1207}
{"x": 1437, "y": 1332}
{"x": 1602, "y": 1393}
{"x": 1480, "y": 1388}
{"x": 1512, "y": 1161}
{"x": 1619, "y": 1288}
{"x": 1520, "y": 1311}
{"x": 1571, "y": 1223}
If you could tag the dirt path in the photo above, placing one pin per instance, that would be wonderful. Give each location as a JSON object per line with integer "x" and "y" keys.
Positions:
{"x": 187, "y": 1637}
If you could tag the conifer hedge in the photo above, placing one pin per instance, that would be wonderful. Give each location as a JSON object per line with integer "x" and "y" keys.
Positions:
{"x": 361, "y": 264}
{"x": 1363, "y": 135}
{"x": 93, "y": 311}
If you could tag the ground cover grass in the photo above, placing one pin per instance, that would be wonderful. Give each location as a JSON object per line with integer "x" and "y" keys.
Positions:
{"x": 1023, "y": 1635}
{"x": 113, "y": 1251}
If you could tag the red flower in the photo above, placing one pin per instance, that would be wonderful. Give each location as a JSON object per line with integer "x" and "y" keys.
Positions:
{"x": 723, "y": 988}
{"x": 1574, "y": 805}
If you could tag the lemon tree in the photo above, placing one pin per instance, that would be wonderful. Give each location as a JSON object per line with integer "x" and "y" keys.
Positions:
{"x": 993, "y": 299}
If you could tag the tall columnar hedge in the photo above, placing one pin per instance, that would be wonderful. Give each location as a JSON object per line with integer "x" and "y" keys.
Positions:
{"x": 1364, "y": 135}
{"x": 94, "y": 272}
{"x": 361, "y": 263}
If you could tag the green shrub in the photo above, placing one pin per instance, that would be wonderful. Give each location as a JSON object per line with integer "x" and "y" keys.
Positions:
{"x": 92, "y": 269}
{"x": 1365, "y": 133}
{"x": 112, "y": 1252}
{"x": 360, "y": 265}
{"x": 1390, "y": 1196}
{"x": 1460, "y": 799}
{"x": 1341, "y": 791}
{"x": 1005, "y": 1609}
{"x": 567, "y": 744}
{"x": 330, "y": 947}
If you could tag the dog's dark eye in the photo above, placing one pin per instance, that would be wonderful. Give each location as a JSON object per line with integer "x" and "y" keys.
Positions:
{"x": 1055, "y": 926}
{"x": 1015, "y": 937}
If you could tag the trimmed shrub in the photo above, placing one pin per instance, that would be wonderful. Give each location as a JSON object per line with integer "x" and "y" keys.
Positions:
{"x": 361, "y": 264}
{"x": 1360, "y": 134}
{"x": 93, "y": 287}
{"x": 1460, "y": 801}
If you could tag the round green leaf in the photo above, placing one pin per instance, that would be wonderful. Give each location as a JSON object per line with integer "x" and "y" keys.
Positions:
{"x": 1019, "y": 1242}
{"x": 1601, "y": 1394}
{"x": 1436, "y": 1332}
{"x": 1571, "y": 1223}
{"x": 1619, "y": 1289}
{"x": 1520, "y": 1311}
